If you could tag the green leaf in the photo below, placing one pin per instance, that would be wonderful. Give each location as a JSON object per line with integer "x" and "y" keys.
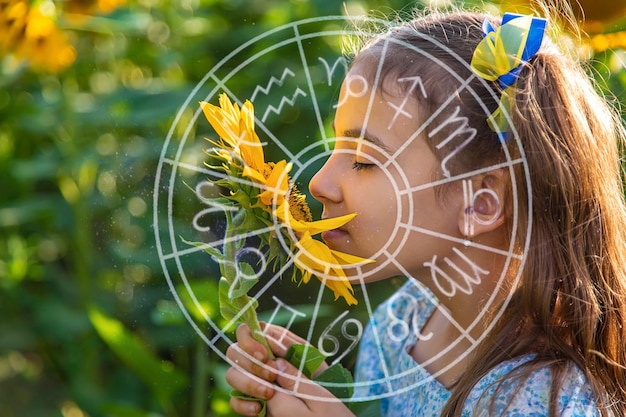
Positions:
{"x": 244, "y": 201}
{"x": 313, "y": 359}
{"x": 161, "y": 376}
{"x": 238, "y": 394}
{"x": 337, "y": 374}
{"x": 229, "y": 308}
{"x": 246, "y": 279}
{"x": 223, "y": 183}
{"x": 215, "y": 252}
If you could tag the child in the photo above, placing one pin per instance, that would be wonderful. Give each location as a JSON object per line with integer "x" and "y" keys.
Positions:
{"x": 479, "y": 211}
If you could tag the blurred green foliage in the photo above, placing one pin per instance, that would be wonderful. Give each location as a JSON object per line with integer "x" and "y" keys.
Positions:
{"x": 88, "y": 325}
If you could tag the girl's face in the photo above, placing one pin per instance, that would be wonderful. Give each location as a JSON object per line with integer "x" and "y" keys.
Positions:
{"x": 383, "y": 169}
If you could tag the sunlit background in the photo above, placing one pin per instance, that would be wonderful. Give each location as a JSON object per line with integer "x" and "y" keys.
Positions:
{"x": 88, "y": 91}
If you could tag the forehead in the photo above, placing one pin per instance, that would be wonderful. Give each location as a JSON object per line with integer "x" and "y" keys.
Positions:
{"x": 362, "y": 79}
{"x": 389, "y": 109}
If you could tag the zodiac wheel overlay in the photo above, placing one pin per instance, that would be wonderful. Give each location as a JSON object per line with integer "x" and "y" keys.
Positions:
{"x": 294, "y": 108}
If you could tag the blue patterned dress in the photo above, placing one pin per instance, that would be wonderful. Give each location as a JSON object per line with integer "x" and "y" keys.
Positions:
{"x": 386, "y": 370}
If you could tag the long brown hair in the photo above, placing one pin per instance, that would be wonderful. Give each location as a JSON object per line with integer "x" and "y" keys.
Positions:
{"x": 570, "y": 305}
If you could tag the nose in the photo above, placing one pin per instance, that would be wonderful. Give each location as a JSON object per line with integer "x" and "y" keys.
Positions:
{"x": 324, "y": 185}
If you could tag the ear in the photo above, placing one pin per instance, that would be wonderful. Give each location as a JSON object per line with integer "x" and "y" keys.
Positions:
{"x": 483, "y": 208}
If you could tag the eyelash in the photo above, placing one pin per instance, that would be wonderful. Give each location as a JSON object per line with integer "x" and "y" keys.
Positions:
{"x": 358, "y": 166}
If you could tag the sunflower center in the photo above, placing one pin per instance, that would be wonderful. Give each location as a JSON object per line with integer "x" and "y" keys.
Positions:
{"x": 298, "y": 206}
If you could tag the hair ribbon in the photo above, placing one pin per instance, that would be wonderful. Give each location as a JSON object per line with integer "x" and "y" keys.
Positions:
{"x": 499, "y": 56}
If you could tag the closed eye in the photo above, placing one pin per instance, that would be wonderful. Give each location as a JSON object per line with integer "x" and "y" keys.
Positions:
{"x": 358, "y": 166}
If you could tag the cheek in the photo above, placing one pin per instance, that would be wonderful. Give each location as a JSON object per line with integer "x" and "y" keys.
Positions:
{"x": 423, "y": 206}
{"x": 379, "y": 215}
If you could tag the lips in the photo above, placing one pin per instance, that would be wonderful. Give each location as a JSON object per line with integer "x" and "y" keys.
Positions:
{"x": 334, "y": 235}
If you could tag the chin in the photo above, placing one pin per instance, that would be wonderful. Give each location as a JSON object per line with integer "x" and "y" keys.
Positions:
{"x": 366, "y": 273}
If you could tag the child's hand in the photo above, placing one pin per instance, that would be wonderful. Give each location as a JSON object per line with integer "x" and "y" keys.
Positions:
{"x": 312, "y": 399}
{"x": 254, "y": 376}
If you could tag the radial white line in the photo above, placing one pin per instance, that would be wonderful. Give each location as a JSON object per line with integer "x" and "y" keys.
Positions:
{"x": 190, "y": 167}
{"x": 465, "y": 175}
{"x": 370, "y": 103}
{"x": 219, "y": 242}
{"x": 309, "y": 81}
{"x": 461, "y": 241}
{"x": 221, "y": 175}
{"x": 310, "y": 332}
{"x": 374, "y": 326}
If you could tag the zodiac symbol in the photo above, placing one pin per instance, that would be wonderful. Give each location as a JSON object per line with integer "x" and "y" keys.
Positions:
{"x": 273, "y": 80}
{"x": 290, "y": 101}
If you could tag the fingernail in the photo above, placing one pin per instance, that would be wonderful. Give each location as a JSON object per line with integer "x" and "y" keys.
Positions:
{"x": 281, "y": 365}
{"x": 259, "y": 356}
{"x": 254, "y": 408}
{"x": 261, "y": 392}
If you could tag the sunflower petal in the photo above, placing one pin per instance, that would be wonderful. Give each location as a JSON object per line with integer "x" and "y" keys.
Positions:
{"x": 314, "y": 256}
{"x": 249, "y": 141}
{"x": 276, "y": 184}
{"x": 348, "y": 259}
{"x": 280, "y": 173}
{"x": 342, "y": 290}
{"x": 226, "y": 128}
{"x": 320, "y": 226}
{"x": 253, "y": 174}
{"x": 283, "y": 214}
{"x": 230, "y": 110}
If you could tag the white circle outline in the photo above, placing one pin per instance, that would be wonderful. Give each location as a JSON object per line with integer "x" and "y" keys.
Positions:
{"x": 176, "y": 164}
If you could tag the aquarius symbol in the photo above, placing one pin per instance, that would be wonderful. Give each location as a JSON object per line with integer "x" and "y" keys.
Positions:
{"x": 273, "y": 81}
{"x": 290, "y": 101}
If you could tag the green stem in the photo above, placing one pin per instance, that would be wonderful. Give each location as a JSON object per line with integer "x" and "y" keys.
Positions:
{"x": 229, "y": 271}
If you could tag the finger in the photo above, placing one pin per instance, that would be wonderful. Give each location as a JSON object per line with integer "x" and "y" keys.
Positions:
{"x": 302, "y": 397}
{"x": 249, "y": 353}
{"x": 280, "y": 339}
{"x": 249, "y": 384}
{"x": 242, "y": 360}
{"x": 291, "y": 379}
{"x": 249, "y": 344}
{"x": 285, "y": 405}
{"x": 245, "y": 408}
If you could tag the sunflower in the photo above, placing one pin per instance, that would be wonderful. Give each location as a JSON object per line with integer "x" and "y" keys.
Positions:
{"x": 32, "y": 35}
{"x": 266, "y": 193}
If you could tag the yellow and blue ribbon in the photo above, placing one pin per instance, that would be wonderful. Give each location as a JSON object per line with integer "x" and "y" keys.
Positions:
{"x": 499, "y": 56}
